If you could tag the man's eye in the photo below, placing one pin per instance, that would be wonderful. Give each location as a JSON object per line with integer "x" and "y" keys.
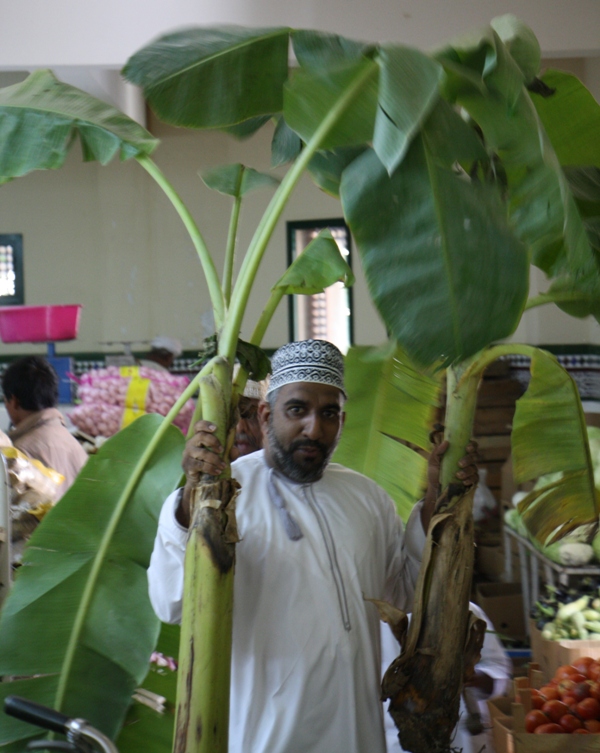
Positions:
{"x": 294, "y": 410}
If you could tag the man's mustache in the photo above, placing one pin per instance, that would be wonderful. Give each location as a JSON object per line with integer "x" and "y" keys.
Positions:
{"x": 308, "y": 443}
{"x": 246, "y": 438}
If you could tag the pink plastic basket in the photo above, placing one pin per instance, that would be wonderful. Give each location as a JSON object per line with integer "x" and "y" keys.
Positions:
{"x": 35, "y": 324}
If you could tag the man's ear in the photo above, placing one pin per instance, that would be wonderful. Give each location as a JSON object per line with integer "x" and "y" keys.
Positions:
{"x": 264, "y": 413}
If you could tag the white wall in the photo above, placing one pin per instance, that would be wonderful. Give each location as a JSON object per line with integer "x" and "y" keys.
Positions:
{"x": 106, "y": 32}
{"x": 108, "y": 238}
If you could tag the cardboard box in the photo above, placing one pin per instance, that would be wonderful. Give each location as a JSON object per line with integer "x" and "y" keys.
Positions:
{"x": 489, "y": 561}
{"x": 551, "y": 655}
{"x": 503, "y": 604}
{"x": 493, "y": 566}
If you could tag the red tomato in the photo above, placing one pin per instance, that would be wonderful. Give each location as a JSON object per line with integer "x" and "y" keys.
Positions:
{"x": 582, "y": 664}
{"x": 565, "y": 687}
{"x": 537, "y": 701}
{"x": 594, "y": 672}
{"x": 581, "y": 690}
{"x": 534, "y": 718}
{"x": 589, "y": 708}
{"x": 550, "y": 693}
{"x": 578, "y": 678}
{"x": 549, "y": 729}
{"x": 569, "y": 722}
{"x": 555, "y": 709}
{"x": 594, "y": 690}
{"x": 581, "y": 732}
{"x": 592, "y": 725}
{"x": 565, "y": 671}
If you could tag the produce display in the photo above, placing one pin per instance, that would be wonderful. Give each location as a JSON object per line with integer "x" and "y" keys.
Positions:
{"x": 106, "y": 395}
{"x": 581, "y": 546}
{"x": 569, "y": 614}
{"x": 569, "y": 703}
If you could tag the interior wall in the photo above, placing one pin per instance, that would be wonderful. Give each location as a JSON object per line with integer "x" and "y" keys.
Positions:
{"x": 108, "y": 238}
{"x": 71, "y": 32}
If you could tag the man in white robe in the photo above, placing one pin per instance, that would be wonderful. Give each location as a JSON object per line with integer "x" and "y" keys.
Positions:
{"x": 316, "y": 539}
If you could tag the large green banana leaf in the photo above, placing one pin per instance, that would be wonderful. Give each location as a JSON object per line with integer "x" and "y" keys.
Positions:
{"x": 390, "y": 405}
{"x": 549, "y": 436}
{"x": 40, "y": 117}
{"x": 148, "y": 729}
{"x": 579, "y": 295}
{"x": 78, "y": 623}
{"x": 484, "y": 79}
{"x": 308, "y": 97}
{"x": 443, "y": 268}
{"x": 571, "y": 118}
{"x": 408, "y": 91}
{"x": 213, "y": 77}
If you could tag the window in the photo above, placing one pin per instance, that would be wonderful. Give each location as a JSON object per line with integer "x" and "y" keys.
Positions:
{"x": 11, "y": 270}
{"x": 327, "y": 315}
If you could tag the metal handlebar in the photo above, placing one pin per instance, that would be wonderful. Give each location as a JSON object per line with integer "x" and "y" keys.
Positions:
{"x": 76, "y": 730}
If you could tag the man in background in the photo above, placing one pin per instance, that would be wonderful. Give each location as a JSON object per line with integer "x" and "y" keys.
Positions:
{"x": 163, "y": 351}
{"x": 30, "y": 387}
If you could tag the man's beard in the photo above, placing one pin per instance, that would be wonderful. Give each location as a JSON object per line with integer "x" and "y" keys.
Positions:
{"x": 283, "y": 457}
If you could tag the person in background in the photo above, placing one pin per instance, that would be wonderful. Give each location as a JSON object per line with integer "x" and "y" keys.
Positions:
{"x": 248, "y": 434}
{"x": 315, "y": 537}
{"x": 163, "y": 351}
{"x": 30, "y": 387}
{"x": 492, "y": 677}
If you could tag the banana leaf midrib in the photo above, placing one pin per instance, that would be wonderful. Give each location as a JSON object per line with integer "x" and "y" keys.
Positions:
{"x": 452, "y": 296}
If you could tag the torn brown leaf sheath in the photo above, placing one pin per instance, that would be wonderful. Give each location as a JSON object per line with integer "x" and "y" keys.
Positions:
{"x": 443, "y": 641}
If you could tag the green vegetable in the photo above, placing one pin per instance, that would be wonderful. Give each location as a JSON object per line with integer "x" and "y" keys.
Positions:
{"x": 570, "y": 609}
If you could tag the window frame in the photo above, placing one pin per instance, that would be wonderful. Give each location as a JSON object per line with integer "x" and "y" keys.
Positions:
{"x": 321, "y": 224}
{"x": 16, "y": 241}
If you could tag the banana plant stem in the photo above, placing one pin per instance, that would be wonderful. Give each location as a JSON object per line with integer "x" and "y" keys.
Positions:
{"x": 266, "y": 316}
{"x": 110, "y": 530}
{"x": 269, "y": 220}
{"x": 208, "y": 267}
{"x": 230, "y": 250}
{"x": 566, "y": 297}
{"x": 461, "y": 402}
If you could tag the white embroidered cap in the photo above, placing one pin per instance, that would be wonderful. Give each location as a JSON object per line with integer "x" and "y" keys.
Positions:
{"x": 316, "y": 361}
{"x": 167, "y": 343}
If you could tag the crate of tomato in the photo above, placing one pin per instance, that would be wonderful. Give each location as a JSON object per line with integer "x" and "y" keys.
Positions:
{"x": 568, "y": 704}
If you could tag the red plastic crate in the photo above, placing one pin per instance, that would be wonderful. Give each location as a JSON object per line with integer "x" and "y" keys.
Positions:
{"x": 35, "y": 324}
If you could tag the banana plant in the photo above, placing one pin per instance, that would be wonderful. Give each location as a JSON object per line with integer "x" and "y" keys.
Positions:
{"x": 451, "y": 185}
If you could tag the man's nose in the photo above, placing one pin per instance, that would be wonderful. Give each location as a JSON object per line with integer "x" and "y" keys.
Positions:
{"x": 313, "y": 427}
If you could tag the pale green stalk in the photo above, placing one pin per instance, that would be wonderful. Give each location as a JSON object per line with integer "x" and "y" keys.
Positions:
{"x": 202, "y": 714}
{"x": 461, "y": 403}
{"x": 258, "y": 334}
{"x": 231, "y": 239}
{"x": 566, "y": 297}
{"x": 258, "y": 245}
{"x": 266, "y": 316}
{"x": 109, "y": 533}
{"x": 208, "y": 267}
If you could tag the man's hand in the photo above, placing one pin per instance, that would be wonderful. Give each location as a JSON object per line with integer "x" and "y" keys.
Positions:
{"x": 467, "y": 475}
{"x": 201, "y": 455}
